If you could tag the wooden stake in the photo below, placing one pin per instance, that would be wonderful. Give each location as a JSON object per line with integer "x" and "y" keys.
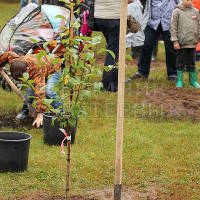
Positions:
{"x": 120, "y": 103}
{"x": 68, "y": 183}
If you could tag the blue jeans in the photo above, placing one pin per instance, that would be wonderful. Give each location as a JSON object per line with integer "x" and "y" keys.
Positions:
{"x": 151, "y": 36}
{"x": 50, "y": 93}
{"x": 25, "y": 2}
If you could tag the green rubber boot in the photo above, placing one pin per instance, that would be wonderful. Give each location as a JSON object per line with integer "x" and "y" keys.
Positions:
{"x": 179, "y": 83}
{"x": 193, "y": 80}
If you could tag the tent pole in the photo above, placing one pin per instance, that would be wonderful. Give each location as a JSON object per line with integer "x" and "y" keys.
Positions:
{"x": 120, "y": 103}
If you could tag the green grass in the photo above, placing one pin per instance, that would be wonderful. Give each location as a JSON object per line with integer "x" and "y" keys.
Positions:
{"x": 8, "y": 10}
{"x": 159, "y": 153}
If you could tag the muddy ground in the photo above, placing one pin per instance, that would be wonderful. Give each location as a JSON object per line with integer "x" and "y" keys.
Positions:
{"x": 9, "y": 121}
{"x": 176, "y": 103}
{"x": 105, "y": 194}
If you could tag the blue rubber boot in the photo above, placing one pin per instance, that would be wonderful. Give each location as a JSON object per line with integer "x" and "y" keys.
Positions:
{"x": 193, "y": 80}
{"x": 179, "y": 83}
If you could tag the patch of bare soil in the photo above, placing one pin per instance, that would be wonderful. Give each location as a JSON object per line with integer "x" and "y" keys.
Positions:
{"x": 176, "y": 103}
{"x": 105, "y": 194}
{"x": 9, "y": 121}
{"x": 154, "y": 64}
{"x": 45, "y": 197}
{"x": 127, "y": 194}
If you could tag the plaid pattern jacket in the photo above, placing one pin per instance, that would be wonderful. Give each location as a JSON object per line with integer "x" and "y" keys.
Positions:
{"x": 38, "y": 72}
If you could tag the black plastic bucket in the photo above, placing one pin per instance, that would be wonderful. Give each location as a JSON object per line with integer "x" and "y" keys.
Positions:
{"x": 52, "y": 134}
{"x": 14, "y": 151}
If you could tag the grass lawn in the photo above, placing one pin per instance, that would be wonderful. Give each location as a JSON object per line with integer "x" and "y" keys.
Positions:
{"x": 160, "y": 152}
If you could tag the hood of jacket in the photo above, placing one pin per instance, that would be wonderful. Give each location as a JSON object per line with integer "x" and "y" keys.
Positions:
{"x": 182, "y": 7}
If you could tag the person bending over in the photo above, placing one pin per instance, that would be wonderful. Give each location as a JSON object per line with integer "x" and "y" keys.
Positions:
{"x": 39, "y": 72}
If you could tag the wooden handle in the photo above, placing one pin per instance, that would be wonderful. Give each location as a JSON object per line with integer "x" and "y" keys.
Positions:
{"x": 18, "y": 92}
{"x": 12, "y": 85}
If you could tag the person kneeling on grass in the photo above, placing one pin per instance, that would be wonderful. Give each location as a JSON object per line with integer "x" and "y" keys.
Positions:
{"x": 185, "y": 34}
{"x": 39, "y": 72}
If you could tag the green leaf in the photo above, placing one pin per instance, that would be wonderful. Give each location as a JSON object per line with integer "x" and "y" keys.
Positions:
{"x": 65, "y": 1}
{"x": 45, "y": 45}
{"x": 129, "y": 57}
{"x": 108, "y": 68}
{"x": 40, "y": 55}
{"x": 60, "y": 17}
{"x": 85, "y": 94}
{"x": 98, "y": 86}
{"x": 74, "y": 81}
{"x": 25, "y": 77}
{"x": 90, "y": 56}
{"x": 103, "y": 51}
{"x": 77, "y": 25}
{"x": 96, "y": 40}
{"x": 48, "y": 102}
{"x": 34, "y": 40}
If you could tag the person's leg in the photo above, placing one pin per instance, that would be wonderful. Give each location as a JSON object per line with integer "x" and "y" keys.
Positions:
{"x": 29, "y": 94}
{"x": 170, "y": 54}
{"x": 112, "y": 40}
{"x": 144, "y": 61}
{"x": 192, "y": 69}
{"x": 23, "y": 3}
{"x": 50, "y": 92}
{"x": 191, "y": 60}
{"x": 135, "y": 51}
{"x": 35, "y": 1}
{"x": 110, "y": 30}
{"x": 180, "y": 64}
{"x": 155, "y": 51}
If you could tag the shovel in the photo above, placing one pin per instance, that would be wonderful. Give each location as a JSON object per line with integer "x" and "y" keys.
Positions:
{"x": 16, "y": 90}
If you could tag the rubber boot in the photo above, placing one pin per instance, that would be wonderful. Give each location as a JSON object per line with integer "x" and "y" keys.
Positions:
{"x": 179, "y": 83}
{"x": 193, "y": 80}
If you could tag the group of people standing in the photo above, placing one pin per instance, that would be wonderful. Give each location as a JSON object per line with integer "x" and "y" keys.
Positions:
{"x": 158, "y": 17}
{"x": 177, "y": 22}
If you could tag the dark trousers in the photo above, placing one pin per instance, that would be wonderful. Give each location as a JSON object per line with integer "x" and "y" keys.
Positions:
{"x": 186, "y": 60}
{"x": 151, "y": 36}
{"x": 110, "y": 29}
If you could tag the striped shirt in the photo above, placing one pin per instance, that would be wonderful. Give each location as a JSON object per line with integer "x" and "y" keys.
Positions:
{"x": 107, "y": 9}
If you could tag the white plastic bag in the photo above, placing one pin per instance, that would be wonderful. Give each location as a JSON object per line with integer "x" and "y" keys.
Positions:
{"x": 135, "y": 10}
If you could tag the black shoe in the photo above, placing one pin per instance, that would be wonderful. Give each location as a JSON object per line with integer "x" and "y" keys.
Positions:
{"x": 172, "y": 77}
{"x": 136, "y": 76}
{"x": 21, "y": 116}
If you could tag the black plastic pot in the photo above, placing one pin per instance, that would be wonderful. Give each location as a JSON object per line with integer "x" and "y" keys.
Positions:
{"x": 14, "y": 151}
{"x": 52, "y": 134}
